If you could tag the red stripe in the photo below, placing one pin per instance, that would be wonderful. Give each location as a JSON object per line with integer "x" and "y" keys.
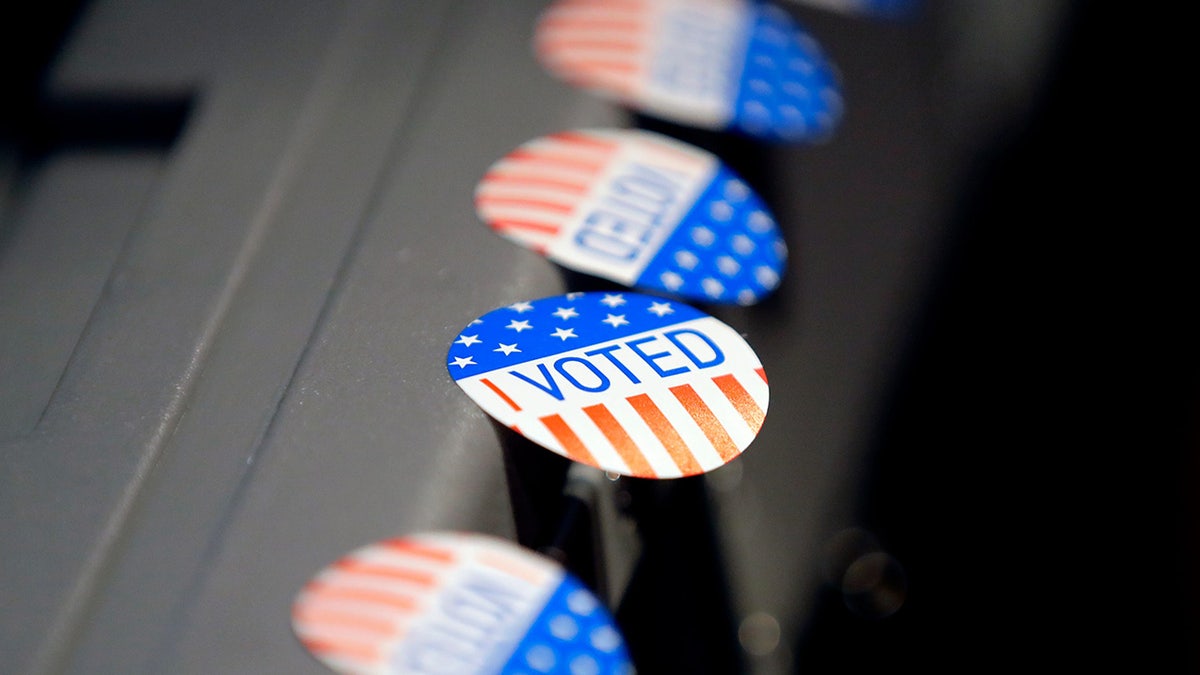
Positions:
{"x": 623, "y": 68}
{"x": 486, "y": 201}
{"x": 417, "y": 549}
{"x": 344, "y": 648}
{"x": 539, "y": 157}
{"x": 315, "y": 617}
{"x": 327, "y": 591}
{"x": 707, "y": 421}
{"x": 741, "y": 400}
{"x": 666, "y": 434}
{"x": 501, "y": 394}
{"x": 534, "y": 181}
{"x": 581, "y": 24}
{"x": 620, "y": 440}
{"x": 584, "y": 139}
{"x": 566, "y": 437}
{"x": 524, "y": 225}
{"x": 618, "y": 46}
{"x": 352, "y": 566}
{"x": 761, "y": 373}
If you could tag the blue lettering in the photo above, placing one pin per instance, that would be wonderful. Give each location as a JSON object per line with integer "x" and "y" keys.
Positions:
{"x": 550, "y": 387}
{"x": 602, "y": 381}
{"x": 474, "y": 618}
{"x": 717, "y": 357}
{"x": 629, "y": 212}
{"x": 606, "y": 353}
{"x": 651, "y": 358}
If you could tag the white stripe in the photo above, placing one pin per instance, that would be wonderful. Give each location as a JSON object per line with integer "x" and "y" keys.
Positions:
{"x": 527, "y": 192}
{"x": 704, "y": 452}
{"x": 495, "y": 213}
{"x": 566, "y": 149}
{"x": 593, "y": 439}
{"x": 532, "y": 168}
{"x": 652, "y": 449}
{"x": 565, "y": 37}
{"x": 731, "y": 419}
{"x": 756, "y": 387}
{"x": 382, "y": 555}
{"x": 365, "y": 608}
{"x": 593, "y": 12}
{"x": 364, "y": 582}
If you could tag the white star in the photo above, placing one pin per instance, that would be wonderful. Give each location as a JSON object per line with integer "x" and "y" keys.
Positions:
{"x": 671, "y": 280}
{"x": 743, "y": 244}
{"x": 564, "y": 333}
{"x": 759, "y": 222}
{"x": 721, "y": 211}
{"x": 686, "y": 259}
{"x": 794, "y": 88}
{"x": 746, "y": 297}
{"x": 467, "y": 340}
{"x": 518, "y": 325}
{"x": 736, "y": 190}
{"x": 521, "y": 307}
{"x": 613, "y": 299}
{"x": 661, "y": 308}
{"x": 703, "y": 236}
{"x": 766, "y": 276}
{"x": 615, "y": 320}
{"x": 507, "y": 349}
{"x": 728, "y": 265}
{"x": 712, "y": 287}
{"x": 565, "y": 313}
{"x": 574, "y": 296}
{"x": 463, "y": 363}
{"x": 475, "y": 322}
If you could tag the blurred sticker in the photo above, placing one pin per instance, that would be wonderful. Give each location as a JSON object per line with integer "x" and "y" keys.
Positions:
{"x": 455, "y": 603}
{"x": 628, "y": 383}
{"x": 638, "y": 208}
{"x": 871, "y": 8}
{"x": 712, "y": 64}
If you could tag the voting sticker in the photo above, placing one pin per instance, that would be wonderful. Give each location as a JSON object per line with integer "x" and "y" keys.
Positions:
{"x": 460, "y": 603}
{"x": 712, "y": 64}
{"x": 638, "y": 208}
{"x": 628, "y": 383}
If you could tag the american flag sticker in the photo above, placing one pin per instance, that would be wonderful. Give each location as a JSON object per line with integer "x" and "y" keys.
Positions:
{"x": 714, "y": 64}
{"x": 459, "y": 603}
{"x": 628, "y": 383}
{"x": 638, "y": 208}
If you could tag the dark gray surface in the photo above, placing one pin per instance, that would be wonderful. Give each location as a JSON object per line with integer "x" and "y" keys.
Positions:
{"x": 238, "y": 375}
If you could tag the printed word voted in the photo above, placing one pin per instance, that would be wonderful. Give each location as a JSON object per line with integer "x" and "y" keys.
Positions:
{"x": 630, "y": 211}
{"x": 667, "y": 353}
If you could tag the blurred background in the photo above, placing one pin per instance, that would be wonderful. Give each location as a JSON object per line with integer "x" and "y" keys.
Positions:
{"x": 236, "y": 240}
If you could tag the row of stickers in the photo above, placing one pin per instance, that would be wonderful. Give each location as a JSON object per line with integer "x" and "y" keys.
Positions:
{"x": 633, "y": 383}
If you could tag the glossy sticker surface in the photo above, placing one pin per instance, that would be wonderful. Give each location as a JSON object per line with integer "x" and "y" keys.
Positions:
{"x": 712, "y": 64}
{"x": 638, "y": 208}
{"x": 458, "y": 603}
{"x": 629, "y": 383}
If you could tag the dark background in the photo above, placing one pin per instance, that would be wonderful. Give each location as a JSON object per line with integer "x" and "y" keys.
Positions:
{"x": 1035, "y": 472}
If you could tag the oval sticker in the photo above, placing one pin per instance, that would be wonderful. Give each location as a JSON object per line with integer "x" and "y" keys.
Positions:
{"x": 638, "y": 208}
{"x": 628, "y": 383}
{"x": 712, "y": 64}
{"x": 458, "y": 603}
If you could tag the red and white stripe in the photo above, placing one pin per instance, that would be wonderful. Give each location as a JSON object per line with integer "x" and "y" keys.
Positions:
{"x": 530, "y": 194}
{"x": 667, "y": 432}
{"x": 656, "y": 428}
{"x": 355, "y": 613}
{"x": 598, "y": 44}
